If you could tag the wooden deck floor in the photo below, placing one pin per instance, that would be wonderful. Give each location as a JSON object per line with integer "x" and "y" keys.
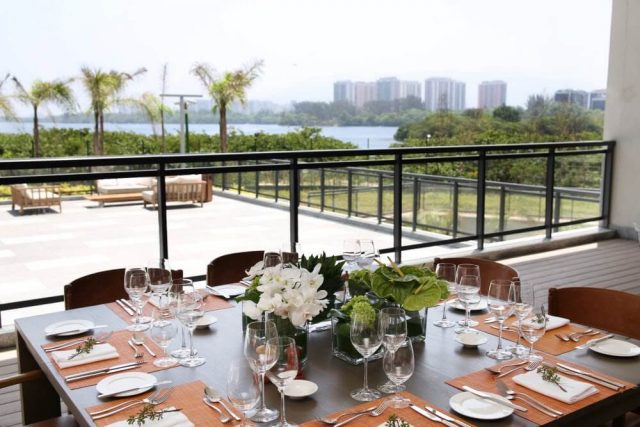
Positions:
{"x": 613, "y": 264}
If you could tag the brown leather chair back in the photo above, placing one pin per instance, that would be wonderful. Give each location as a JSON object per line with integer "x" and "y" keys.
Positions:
{"x": 489, "y": 270}
{"x": 614, "y": 311}
{"x": 99, "y": 288}
{"x": 230, "y": 268}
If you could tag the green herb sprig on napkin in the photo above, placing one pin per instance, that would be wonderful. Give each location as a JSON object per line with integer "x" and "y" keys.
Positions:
{"x": 85, "y": 347}
{"x": 550, "y": 374}
{"x": 395, "y": 421}
{"x": 149, "y": 413}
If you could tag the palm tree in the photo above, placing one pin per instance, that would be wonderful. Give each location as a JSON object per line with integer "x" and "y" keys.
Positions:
{"x": 56, "y": 91}
{"x": 153, "y": 108}
{"x": 228, "y": 88}
{"x": 103, "y": 89}
{"x": 5, "y": 105}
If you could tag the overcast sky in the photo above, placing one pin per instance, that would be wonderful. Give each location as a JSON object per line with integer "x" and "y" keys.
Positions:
{"x": 536, "y": 46}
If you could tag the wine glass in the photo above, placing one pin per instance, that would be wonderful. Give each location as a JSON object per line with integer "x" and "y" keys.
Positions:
{"x": 350, "y": 253}
{"x": 368, "y": 253}
{"x": 162, "y": 332}
{"x": 262, "y": 355}
{"x": 136, "y": 284}
{"x": 189, "y": 310}
{"x": 284, "y": 371}
{"x": 533, "y": 327}
{"x": 467, "y": 289}
{"x": 159, "y": 280}
{"x": 500, "y": 301}
{"x": 242, "y": 389}
{"x": 366, "y": 337}
{"x": 393, "y": 327}
{"x": 179, "y": 287}
{"x": 522, "y": 308}
{"x": 446, "y": 271}
{"x": 272, "y": 258}
{"x": 398, "y": 366}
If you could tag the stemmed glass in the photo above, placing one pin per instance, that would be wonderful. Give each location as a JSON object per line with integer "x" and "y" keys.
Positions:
{"x": 467, "y": 289}
{"x": 189, "y": 310}
{"x": 366, "y": 337}
{"x": 398, "y": 365}
{"x": 393, "y": 327}
{"x": 533, "y": 328}
{"x": 242, "y": 389}
{"x": 500, "y": 301}
{"x": 162, "y": 332}
{"x": 179, "y": 287}
{"x": 284, "y": 371}
{"x": 159, "y": 280}
{"x": 350, "y": 253}
{"x": 446, "y": 271}
{"x": 136, "y": 284}
{"x": 271, "y": 259}
{"x": 522, "y": 309}
{"x": 262, "y": 355}
{"x": 368, "y": 253}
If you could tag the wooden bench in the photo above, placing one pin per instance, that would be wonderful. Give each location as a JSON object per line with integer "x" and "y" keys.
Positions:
{"x": 114, "y": 198}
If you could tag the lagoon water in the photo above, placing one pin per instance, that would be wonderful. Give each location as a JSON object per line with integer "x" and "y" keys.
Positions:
{"x": 362, "y": 136}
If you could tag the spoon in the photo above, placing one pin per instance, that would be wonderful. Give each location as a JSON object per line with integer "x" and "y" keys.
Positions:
{"x": 214, "y": 397}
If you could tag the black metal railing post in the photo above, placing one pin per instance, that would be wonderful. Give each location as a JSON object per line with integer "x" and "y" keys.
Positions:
{"x": 397, "y": 208}
{"x": 239, "y": 182}
{"x": 257, "y": 184}
{"x": 501, "y": 211}
{"x": 349, "y": 192}
{"x": 294, "y": 201}
{"x": 380, "y": 196}
{"x": 162, "y": 212}
{"x": 548, "y": 199}
{"x": 322, "y": 178}
{"x": 481, "y": 186}
{"x": 556, "y": 209}
{"x": 455, "y": 208}
{"x": 277, "y": 186}
{"x": 416, "y": 201}
{"x": 607, "y": 181}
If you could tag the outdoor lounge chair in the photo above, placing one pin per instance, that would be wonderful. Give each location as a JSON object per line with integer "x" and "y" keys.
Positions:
{"x": 35, "y": 197}
{"x": 186, "y": 188}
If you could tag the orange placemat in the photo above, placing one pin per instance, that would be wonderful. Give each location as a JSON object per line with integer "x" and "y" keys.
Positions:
{"x": 408, "y": 414}
{"x": 486, "y": 381}
{"x": 549, "y": 343}
{"x": 211, "y": 303}
{"x": 187, "y": 397}
{"x": 119, "y": 341}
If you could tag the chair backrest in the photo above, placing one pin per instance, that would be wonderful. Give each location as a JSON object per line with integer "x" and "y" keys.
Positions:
{"x": 489, "y": 270}
{"x": 614, "y": 311}
{"x": 230, "y": 268}
{"x": 99, "y": 288}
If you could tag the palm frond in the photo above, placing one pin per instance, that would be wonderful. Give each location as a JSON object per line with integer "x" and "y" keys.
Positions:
{"x": 5, "y": 104}
{"x": 204, "y": 72}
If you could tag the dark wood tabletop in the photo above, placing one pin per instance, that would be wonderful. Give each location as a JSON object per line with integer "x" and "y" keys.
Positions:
{"x": 438, "y": 359}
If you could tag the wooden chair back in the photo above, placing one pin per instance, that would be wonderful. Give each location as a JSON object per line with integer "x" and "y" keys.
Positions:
{"x": 230, "y": 268}
{"x": 611, "y": 310}
{"x": 99, "y": 288}
{"x": 489, "y": 270}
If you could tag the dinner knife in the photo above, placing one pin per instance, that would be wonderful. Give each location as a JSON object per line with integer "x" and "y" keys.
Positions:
{"x": 94, "y": 372}
{"x": 446, "y": 417}
{"x": 431, "y": 416}
{"x": 592, "y": 342}
{"x": 125, "y": 308}
{"x": 496, "y": 399}
{"x": 139, "y": 387}
{"x": 590, "y": 374}
{"x": 128, "y": 304}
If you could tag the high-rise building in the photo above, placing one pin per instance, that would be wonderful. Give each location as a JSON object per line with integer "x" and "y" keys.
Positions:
{"x": 364, "y": 92}
{"x": 343, "y": 91}
{"x": 597, "y": 99}
{"x": 492, "y": 94}
{"x": 410, "y": 88}
{"x": 442, "y": 93}
{"x": 571, "y": 96}
{"x": 387, "y": 89}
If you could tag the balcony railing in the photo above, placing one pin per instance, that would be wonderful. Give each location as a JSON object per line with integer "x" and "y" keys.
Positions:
{"x": 388, "y": 178}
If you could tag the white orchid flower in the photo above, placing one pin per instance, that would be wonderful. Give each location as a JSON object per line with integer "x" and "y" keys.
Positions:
{"x": 250, "y": 309}
{"x": 256, "y": 270}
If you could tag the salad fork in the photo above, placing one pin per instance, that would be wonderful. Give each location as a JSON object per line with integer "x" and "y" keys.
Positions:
{"x": 530, "y": 367}
{"x": 156, "y": 398}
{"x": 332, "y": 421}
{"x": 374, "y": 413}
{"x": 137, "y": 354}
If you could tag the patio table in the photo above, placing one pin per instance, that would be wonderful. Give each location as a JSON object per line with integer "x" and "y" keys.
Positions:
{"x": 438, "y": 359}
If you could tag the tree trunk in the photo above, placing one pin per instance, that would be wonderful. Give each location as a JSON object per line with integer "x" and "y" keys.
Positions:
{"x": 36, "y": 133}
{"x": 223, "y": 129}
{"x": 101, "y": 139}
{"x": 96, "y": 133}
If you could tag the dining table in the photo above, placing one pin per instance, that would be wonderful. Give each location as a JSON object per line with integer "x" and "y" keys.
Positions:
{"x": 437, "y": 360}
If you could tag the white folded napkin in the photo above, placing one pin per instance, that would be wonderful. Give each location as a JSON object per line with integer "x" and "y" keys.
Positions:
{"x": 576, "y": 390}
{"x": 99, "y": 352}
{"x": 170, "y": 419}
{"x": 554, "y": 322}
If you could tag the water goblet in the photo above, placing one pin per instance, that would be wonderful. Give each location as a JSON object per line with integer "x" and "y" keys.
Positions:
{"x": 533, "y": 328}
{"x": 284, "y": 371}
{"x": 350, "y": 253}
{"x": 368, "y": 253}
{"x": 366, "y": 338}
{"x": 162, "y": 332}
{"x": 159, "y": 280}
{"x": 189, "y": 310}
{"x": 522, "y": 308}
{"x": 446, "y": 271}
{"x": 393, "y": 327}
{"x": 467, "y": 289}
{"x": 398, "y": 365}
{"x": 500, "y": 301}
{"x": 242, "y": 389}
{"x": 136, "y": 285}
{"x": 178, "y": 287}
{"x": 272, "y": 258}
{"x": 261, "y": 355}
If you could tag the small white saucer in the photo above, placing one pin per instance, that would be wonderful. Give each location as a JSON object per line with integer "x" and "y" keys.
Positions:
{"x": 298, "y": 389}
{"x": 205, "y": 321}
{"x": 471, "y": 339}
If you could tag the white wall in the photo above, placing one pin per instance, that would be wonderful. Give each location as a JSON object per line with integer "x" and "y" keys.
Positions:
{"x": 622, "y": 115}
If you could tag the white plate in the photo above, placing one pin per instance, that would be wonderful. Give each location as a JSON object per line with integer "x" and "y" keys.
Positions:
{"x": 618, "y": 348}
{"x": 471, "y": 339}
{"x": 205, "y": 321}
{"x": 297, "y": 389}
{"x": 78, "y": 326}
{"x": 125, "y": 381}
{"x": 470, "y": 405}
{"x": 227, "y": 291}
{"x": 482, "y": 305}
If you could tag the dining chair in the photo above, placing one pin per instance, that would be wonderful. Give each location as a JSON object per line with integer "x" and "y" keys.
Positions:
{"x": 607, "y": 309}
{"x": 230, "y": 268}
{"x": 489, "y": 270}
{"x": 99, "y": 288}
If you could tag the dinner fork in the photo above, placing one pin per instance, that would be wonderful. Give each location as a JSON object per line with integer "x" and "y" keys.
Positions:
{"x": 137, "y": 354}
{"x": 156, "y": 398}
{"x": 374, "y": 413}
{"x": 530, "y": 367}
{"x": 575, "y": 337}
{"x": 333, "y": 420}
